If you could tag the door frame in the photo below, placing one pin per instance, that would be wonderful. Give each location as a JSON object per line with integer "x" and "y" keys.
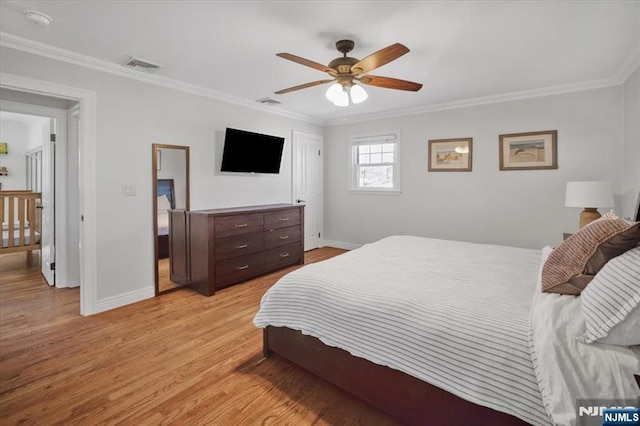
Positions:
{"x": 87, "y": 177}
{"x": 294, "y": 137}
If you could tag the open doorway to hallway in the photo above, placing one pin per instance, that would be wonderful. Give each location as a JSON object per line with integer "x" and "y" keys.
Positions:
{"x": 42, "y": 162}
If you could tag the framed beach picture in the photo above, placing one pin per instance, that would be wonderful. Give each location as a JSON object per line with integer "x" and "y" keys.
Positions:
{"x": 529, "y": 151}
{"x": 450, "y": 155}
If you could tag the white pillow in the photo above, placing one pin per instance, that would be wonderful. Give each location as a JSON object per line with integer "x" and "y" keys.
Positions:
{"x": 611, "y": 302}
{"x": 163, "y": 204}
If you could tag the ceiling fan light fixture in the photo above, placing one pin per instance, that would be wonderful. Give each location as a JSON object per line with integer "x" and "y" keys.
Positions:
{"x": 338, "y": 95}
{"x": 358, "y": 94}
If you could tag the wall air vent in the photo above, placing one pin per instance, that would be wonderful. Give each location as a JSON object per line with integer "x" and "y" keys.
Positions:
{"x": 142, "y": 65}
{"x": 268, "y": 101}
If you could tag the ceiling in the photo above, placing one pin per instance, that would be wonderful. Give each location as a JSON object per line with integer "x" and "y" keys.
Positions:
{"x": 460, "y": 50}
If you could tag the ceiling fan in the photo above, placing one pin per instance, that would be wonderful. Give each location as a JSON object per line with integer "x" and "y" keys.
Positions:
{"x": 347, "y": 72}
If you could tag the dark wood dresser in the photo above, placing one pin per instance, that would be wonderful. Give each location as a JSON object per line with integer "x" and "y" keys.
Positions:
{"x": 228, "y": 246}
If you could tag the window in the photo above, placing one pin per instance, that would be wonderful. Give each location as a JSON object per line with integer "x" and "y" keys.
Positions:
{"x": 375, "y": 163}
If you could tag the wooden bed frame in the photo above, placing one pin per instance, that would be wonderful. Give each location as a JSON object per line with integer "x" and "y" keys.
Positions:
{"x": 20, "y": 206}
{"x": 406, "y": 398}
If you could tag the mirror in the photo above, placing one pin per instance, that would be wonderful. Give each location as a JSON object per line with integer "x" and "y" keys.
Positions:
{"x": 170, "y": 167}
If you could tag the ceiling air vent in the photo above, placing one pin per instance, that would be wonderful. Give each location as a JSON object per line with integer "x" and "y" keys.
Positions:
{"x": 141, "y": 65}
{"x": 268, "y": 101}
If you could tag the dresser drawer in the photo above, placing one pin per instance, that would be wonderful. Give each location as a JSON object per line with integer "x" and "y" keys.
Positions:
{"x": 281, "y": 237}
{"x": 282, "y": 256}
{"x": 238, "y": 224}
{"x": 281, "y": 219}
{"x": 238, "y": 245}
{"x": 238, "y": 268}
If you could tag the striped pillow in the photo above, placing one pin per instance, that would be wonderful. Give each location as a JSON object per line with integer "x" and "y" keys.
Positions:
{"x": 610, "y": 304}
{"x": 574, "y": 263}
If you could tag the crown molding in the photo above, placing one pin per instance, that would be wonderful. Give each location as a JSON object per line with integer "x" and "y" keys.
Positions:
{"x": 629, "y": 65}
{"x": 25, "y": 45}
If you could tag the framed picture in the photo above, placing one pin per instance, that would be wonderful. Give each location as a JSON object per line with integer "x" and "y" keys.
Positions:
{"x": 450, "y": 155}
{"x": 529, "y": 151}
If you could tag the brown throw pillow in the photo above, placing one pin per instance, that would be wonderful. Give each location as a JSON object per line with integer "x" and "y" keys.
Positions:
{"x": 573, "y": 264}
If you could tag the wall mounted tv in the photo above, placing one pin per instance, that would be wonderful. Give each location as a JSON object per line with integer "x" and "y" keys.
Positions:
{"x": 249, "y": 152}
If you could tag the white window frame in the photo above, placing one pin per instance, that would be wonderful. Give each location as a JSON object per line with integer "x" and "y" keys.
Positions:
{"x": 371, "y": 139}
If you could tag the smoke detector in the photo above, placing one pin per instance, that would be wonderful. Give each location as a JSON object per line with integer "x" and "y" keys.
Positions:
{"x": 142, "y": 65}
{"x": 37, "y": 17}
{"x": 268, "y": 101}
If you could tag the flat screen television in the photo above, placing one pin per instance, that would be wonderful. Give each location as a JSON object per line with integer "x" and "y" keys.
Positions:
{"x": 248, "y": 152}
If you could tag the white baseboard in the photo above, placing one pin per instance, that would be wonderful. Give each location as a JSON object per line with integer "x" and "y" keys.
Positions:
{"x": 125, "y": 299}
{"x": 340, "y": 244}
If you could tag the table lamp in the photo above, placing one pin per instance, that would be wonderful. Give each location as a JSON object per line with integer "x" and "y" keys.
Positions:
{"x": 589, "y": 195}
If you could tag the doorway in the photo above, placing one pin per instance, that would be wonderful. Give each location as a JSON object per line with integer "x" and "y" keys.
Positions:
{"x": 40, "y": 94}
{"x": 42, "y": 130}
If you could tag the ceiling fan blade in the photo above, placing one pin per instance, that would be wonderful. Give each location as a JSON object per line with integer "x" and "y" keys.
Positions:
{"x": 306, "y": 62}
{"x": 378, "y": 59}
{"x": 302, "y": 86}
{"x": 390, "y": 83}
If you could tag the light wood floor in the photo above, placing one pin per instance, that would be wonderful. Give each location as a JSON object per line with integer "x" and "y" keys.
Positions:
{"x": 181, "y": 358}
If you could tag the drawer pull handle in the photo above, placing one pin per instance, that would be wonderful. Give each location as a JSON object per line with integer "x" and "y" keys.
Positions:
{"x": 284, "y": 219}
{"x": 240, "y": 268}
{"x": 241, "y": 225}
{"x": 284, "y": 255}
{"x": 241, "y": 246}
{"x": 284, "y": 237}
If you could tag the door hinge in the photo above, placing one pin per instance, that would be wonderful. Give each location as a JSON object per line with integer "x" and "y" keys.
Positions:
{"x": 318, "y": 235}
{"x": 318, "y": 152}
{"x": 81, "y": 218}
{"x": 52, "y": 266}
{"x": 53, "y": 137}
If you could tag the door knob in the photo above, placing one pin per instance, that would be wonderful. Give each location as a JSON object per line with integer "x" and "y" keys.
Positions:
{"x": 300, "y": 201}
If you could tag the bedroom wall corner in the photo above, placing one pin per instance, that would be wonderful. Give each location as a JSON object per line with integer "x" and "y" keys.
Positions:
{"x": 631, "y": 147}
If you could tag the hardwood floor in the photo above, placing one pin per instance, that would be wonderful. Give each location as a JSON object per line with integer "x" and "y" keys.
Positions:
{"x": 180, "y": 358}
{"x": 164, "y": 276}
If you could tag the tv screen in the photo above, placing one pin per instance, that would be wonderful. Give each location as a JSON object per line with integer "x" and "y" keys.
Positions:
{"x": 250, "y": 152}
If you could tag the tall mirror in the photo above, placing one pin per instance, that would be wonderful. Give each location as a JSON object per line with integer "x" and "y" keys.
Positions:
{"x": 170, "y": 165}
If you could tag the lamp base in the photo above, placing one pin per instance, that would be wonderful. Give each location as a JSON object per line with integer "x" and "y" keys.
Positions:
{"x": 588, "y": 215}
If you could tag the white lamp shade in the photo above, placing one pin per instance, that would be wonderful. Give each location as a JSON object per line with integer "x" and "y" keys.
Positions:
{"x": 358, "y": 94}
{"x": 337, "y": 95}
{"x": 589, "y": 194}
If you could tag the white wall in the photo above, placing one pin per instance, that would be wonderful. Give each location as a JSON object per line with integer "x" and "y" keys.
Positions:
{"x": 516, "y": 208}
{"x": 16, "y": 135}
{"x": 131, "y": 115}
{"x": 631, "y": 165}
{"x": 21, "y": 133}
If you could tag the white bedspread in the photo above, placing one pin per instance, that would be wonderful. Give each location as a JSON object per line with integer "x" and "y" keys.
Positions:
{"x": 453, "y": 314}
{"x": 163, "y": 223}
{"x": 568, "y": 369}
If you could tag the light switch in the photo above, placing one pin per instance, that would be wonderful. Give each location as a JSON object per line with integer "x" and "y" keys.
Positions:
{"x": 128, "y": 190}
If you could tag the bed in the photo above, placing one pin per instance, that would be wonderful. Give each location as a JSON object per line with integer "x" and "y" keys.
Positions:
{"x": 20, "y": 218}
{"x": 166, "y": 201}
{"x": 433, "y": 331}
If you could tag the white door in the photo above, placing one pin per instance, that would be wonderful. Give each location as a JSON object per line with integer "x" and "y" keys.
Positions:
{"x": 47, "y": 235}
{"x": 307, "y": 184}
